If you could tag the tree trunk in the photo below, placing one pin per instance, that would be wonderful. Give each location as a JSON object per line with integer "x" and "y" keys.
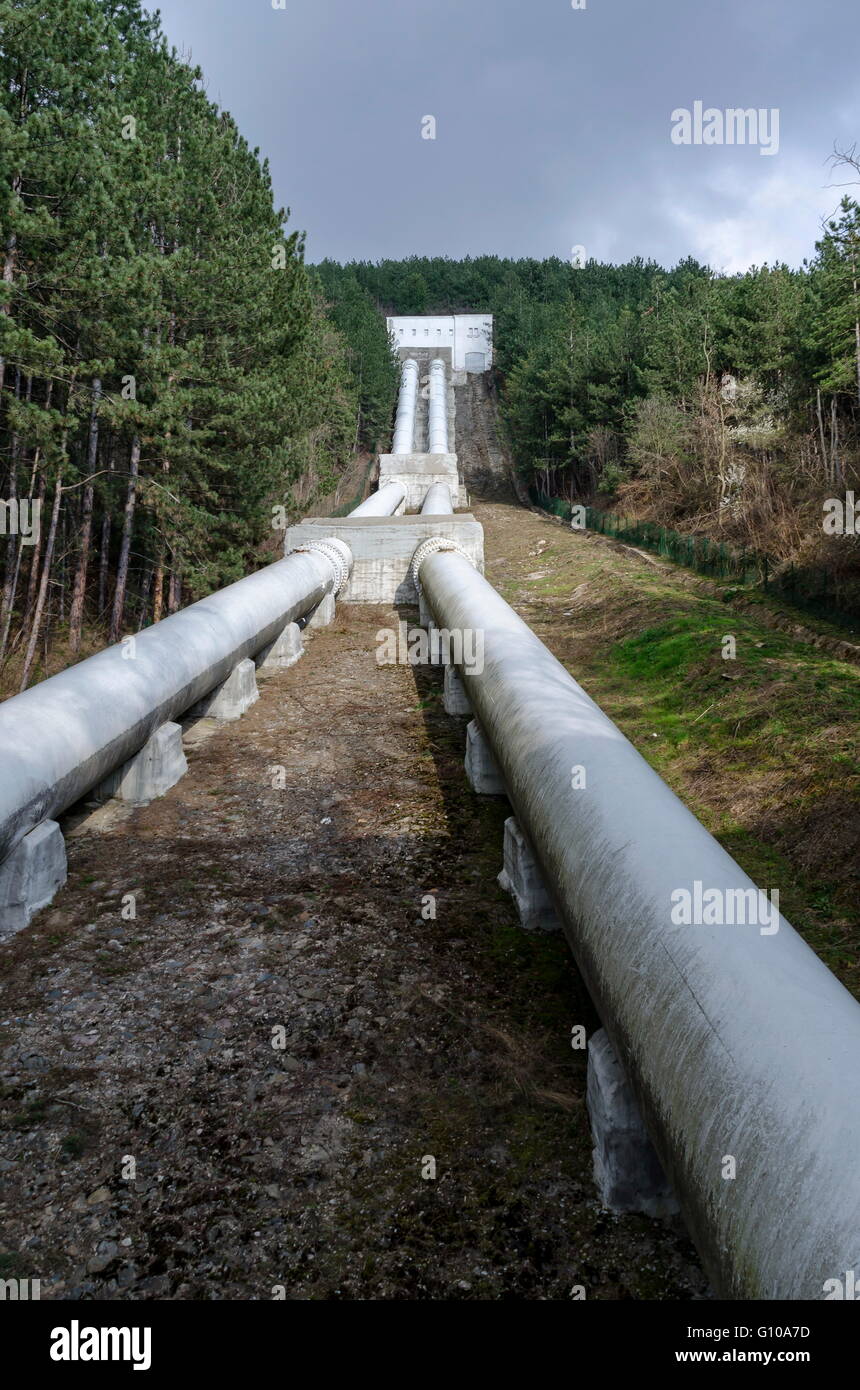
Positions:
{"x": 76, "y": 612}
{"x": 43, "y": 586}
{"x": 104, "y": 543}
{"x": 174, "y": 596}
{"x": 13, "y": 540}
{"x": 824, "y": 458}
{"x": 4, "y": 637}
{"x": 158, "y": 588}
{"x": 125, "y": 545}
{"x": 104, "y": 557}
{"x": 144, "y": 598}
{"x": 9, "y": 271}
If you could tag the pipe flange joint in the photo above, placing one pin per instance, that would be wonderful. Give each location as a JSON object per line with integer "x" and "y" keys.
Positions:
{"x": 432, "y": 546}
{"x": 337, "y": 552}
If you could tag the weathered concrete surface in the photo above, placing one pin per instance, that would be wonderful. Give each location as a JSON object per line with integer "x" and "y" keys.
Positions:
{"x": 30, "y": 876}
{"x": 627, "y": 1171}
{"x": 482, "y": 770}
{"x": 233, "y": 697}
{"x": 382, "y": 549}
{"x": 151, "y": 772}
{"x": 522, "y": 877}
{"x": 284, "y": 652}
{"x": 324, "y": 614}
{"x": 454, "y": 697}
{"x": 418, "y": 472}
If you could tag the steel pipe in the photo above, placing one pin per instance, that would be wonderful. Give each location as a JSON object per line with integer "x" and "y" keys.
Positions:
{"x": 741, "y": 1046}
{"x": 437, "y": 416}
{"x": 437, "y": 501}
{"x": 65, "y": 735}
{"x": 383, "y": 502}
{"x": 404, "y": 425}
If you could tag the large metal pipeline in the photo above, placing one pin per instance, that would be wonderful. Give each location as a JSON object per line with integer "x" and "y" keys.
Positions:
{"x": 64, "y": 736}
{"x": 740, "y": 1044}
{"x": 404, "y": 425}
{"x": 383, "y": 502}
{"x": 437, "y": 415}
{"x": 437, "y": 501}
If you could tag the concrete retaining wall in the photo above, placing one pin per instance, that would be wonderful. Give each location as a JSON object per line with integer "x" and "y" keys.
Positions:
{"x": 418, "y": 473}
{"x": 382, "y": 549}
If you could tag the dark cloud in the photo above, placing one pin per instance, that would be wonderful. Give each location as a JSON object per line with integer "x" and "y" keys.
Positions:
{"x": 553, "y": 124}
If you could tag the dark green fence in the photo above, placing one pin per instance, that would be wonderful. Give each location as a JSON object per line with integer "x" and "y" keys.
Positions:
{"x": 812, "y": 588}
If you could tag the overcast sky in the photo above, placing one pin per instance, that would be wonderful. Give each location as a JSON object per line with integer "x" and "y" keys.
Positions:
{"x": 553, "y": 124}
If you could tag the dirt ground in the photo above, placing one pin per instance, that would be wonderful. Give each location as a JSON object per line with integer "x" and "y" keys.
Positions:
{"x": 313, "y": 1055}
{"x": 323, "y": 998}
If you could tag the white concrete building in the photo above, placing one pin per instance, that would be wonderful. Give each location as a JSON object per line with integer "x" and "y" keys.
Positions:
{"x": 469, "y": 337}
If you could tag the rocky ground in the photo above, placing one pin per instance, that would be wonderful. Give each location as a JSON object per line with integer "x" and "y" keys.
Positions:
{"x": 281, "y": 1034}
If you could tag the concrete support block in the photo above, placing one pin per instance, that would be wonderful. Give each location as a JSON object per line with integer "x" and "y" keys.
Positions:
{"x": 382, "y": 548}
{"x": 627, "y": 1171}
{"x": 323, "y": 614}
{"x": 454, "y": 698}
{"x": 482, "y": 772}
{"x": 31, "y": 875}
{"x": 285, "y": 651}
{"x": 419, "y": 471}
{"x": 522, "y": 877}
{"x": 232, "y": 697}
{"x": 150, "y": 773}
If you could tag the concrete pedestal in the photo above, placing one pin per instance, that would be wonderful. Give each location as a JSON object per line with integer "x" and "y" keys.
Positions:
{"x": 482, "y": 772}
{"x": 324, "y": 613}
{"x": 31, "y": 875}
{"x": 521, "y": 876}
{"x": 285, "y": 651}
{"x": 418, "y": 472}
{"x": 627, "y": 1171}
{"x": 232, "y": 697}
{"x": 382, "y": 548}
{"x": 455, "y": 701}
{"x": 150, "y": 773}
